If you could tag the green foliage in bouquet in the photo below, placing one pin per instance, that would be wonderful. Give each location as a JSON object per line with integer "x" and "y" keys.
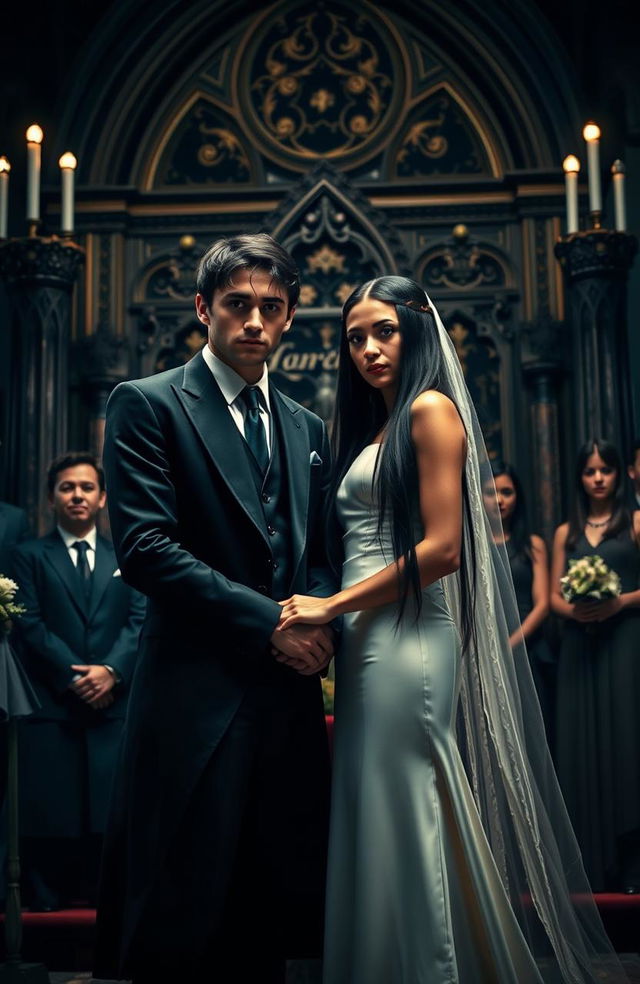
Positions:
{"x": 589, "y": 579}
{"x": 328, "y": 691}
{"x": 8, "y": 608}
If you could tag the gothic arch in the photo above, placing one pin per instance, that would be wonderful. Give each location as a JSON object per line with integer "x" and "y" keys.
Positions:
{"x": 142, "y": 68}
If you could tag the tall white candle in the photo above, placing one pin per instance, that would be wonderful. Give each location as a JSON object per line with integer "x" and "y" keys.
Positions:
{"x": 34, "y": 139}
{"x": 619, "y": 208}
{"x": 68, "y": 165}
{"x": 571, "y": 167}
{"x": 591, "y": 134}
{"x": 5, "y": 167}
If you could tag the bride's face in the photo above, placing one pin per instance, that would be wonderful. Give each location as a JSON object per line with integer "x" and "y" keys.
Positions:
{"x": 375, "y": 342}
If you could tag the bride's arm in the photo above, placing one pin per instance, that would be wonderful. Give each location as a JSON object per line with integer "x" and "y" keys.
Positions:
{"x": 440, "y": 442}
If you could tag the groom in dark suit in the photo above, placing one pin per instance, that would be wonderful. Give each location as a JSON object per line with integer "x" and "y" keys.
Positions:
{"x": 215, "y": 860}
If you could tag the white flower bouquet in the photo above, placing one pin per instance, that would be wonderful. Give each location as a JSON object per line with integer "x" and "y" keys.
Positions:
{"x": 8, "y": 607}
{"x": 589, "y": 579}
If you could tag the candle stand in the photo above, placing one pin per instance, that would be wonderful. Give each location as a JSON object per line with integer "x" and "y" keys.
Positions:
{"x": 596, "y": 264}
{"x": 39, "y": 274}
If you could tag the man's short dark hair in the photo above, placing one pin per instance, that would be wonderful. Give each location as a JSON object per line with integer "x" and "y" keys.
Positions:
{"x": 635, "y": 447}
{"x": 257, "y": 251}
{"x": 69, "y": 460}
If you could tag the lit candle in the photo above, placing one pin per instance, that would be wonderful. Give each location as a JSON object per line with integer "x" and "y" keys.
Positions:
{"x": 68, "y": 165}
{"x": 571, "y": 167}
{"x": 5, "y": 167}
{"x": 34, "y": 139}
{"x": 591, "y": 134}
{"x": 617, "y": 170}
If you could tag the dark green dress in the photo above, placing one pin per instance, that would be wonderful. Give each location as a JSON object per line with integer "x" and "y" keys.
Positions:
{"x": 541, "y": 659}
{"x": 598, "y": 727}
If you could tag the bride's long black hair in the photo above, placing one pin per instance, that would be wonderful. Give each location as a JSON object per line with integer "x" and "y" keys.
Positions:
{"x": 360, "y": 414}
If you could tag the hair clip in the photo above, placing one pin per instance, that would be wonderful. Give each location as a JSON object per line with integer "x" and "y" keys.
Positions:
{"x": 426, "y": 308}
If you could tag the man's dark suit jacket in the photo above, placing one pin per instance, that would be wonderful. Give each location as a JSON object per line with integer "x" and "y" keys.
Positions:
{"x": 61, "y": 628}
{"x": 14, "y": 529}
{"x": 190, "y": 533}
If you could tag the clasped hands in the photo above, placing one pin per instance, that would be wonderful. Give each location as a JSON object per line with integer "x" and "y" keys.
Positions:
{"x": 597, "y": 611}
{"x": 303, "y": 640}
{"x": 95, "y": 686}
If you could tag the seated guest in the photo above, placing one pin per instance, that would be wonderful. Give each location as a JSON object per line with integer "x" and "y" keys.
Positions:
{"x": 633, "y": 471}
{"x": 79, "y": 638}
{"x": 529, "y": 562}
{"x": 598, "y": 691}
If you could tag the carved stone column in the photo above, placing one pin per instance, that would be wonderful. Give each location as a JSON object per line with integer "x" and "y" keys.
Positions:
{"x": 39, "y": 275}
{"x": 102, "y": 361}
{"x": 595, "y": 265}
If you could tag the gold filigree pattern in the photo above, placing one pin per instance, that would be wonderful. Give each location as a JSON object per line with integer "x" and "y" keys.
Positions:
{"x": 322, "y": 83}
{"x": 308, "y": 294}
{"x": 325, "y": 259}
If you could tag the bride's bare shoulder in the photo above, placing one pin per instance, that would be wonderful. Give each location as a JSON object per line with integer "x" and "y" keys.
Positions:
{"x": 433, "y": 406}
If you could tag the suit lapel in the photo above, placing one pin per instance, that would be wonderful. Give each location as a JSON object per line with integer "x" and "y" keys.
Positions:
{"x": 58, "y": 557}
{"x": 207, "y": 410}
{"x": 102, "y": 572}
{"x": 295, "y": 464}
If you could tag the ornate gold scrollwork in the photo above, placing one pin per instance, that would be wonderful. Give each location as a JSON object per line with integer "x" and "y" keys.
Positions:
{"x": 322, "y": 84}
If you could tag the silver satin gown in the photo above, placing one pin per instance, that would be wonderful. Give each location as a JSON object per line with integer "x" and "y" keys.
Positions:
{"x": 413, "y": 895}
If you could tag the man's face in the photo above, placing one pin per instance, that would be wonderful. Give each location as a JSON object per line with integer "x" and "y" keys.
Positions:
{"x": 76, "y": 498}
{"x": 634, "y": 471}
{"x": 245, "y": 321}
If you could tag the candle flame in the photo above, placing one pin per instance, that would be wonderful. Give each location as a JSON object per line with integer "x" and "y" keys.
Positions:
{"x": 617, "y": 167}
{"x": 571, "y": 164}
{"x": 68, "y": 161}
{"x": 35, "y": 134}
{"x": 5, "y": 167}
{"x": 591, "y": 132}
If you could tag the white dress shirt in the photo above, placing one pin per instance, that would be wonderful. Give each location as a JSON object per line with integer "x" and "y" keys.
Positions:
{"x": 231, "y": 385}
{"x": 90, "y": 538}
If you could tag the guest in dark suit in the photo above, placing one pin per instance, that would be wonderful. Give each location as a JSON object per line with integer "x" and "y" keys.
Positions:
{"x": 215, "y": 857}
{"x": 14, "y": 529}
{"x": 633, "y": 471}
{"x": 79, "y": 637}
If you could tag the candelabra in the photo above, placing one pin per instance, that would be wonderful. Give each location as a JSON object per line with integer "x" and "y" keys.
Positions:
{"x": 39, "y": 273}
{"x": 596, "y": 262}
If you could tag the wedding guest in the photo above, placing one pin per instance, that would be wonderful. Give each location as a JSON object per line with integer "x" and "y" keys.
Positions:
{"x": 529, "y": 562}
{"x": 14, "y": 529}
{"x": 79, "y": 639}
{"x": 633, "y": 471}
{"x": 598, "y": 688}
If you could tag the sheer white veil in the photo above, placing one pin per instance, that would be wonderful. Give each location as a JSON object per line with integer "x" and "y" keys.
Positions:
{"x": 502, "y": 741}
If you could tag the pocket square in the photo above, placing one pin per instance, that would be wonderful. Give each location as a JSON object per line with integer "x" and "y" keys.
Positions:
{"x": 314, "y": 458}
{"x": 117, "y": 573}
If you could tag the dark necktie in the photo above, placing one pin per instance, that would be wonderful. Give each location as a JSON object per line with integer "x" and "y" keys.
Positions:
{"x": 82, "y": 567}
{"x": 253, "y": 427}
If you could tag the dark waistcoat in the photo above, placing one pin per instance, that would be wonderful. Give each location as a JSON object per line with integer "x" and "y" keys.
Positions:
{"x": 273, "y": 490}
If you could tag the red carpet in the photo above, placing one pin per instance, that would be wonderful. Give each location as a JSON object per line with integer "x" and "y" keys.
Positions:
{"x": 64, "y": 939}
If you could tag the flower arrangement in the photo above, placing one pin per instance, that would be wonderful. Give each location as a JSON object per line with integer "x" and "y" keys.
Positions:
{"x": 8, "y": 608}
{"x": 328, "y": 691}
{"x": 589, "y": 579}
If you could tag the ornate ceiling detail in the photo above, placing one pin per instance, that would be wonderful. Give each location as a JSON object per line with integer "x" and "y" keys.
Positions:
{"x": 327, "y": 83}
{"x": 205, "y": 147}
{"x": 439, "y": 138}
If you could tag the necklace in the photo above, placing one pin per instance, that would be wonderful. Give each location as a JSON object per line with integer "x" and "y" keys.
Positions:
{"x": 597, "y": 526}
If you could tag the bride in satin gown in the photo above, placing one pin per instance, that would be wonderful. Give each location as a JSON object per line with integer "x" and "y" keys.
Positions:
{"x": 426, "y": 882}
